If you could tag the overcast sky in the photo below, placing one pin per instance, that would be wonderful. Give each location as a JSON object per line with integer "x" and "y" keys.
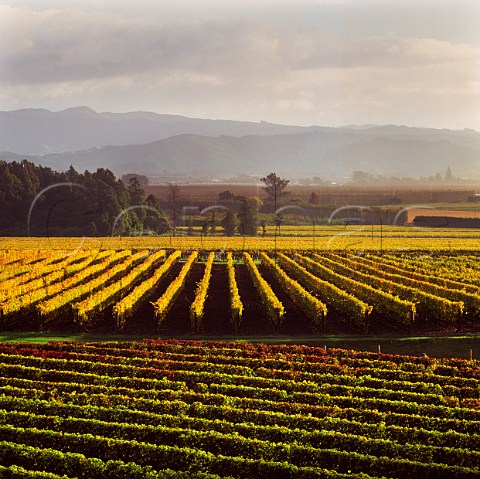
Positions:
{"x": 304, "y": 62}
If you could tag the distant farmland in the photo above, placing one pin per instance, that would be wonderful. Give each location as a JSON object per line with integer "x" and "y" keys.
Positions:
{"x": 413, "y": 212}
{"x": 201, "y": 194}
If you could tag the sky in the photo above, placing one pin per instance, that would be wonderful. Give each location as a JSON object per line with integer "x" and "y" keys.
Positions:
{"x": 302, "y": 62}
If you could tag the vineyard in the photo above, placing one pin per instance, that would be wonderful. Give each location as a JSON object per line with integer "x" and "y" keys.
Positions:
{"x": 164, "y": 409}
{"x": 211, "y": 410}
{"x": 176, "y": 292}
{"x": 305, "y": 238}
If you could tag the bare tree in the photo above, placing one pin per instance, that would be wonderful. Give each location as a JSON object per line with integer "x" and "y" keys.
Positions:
{"x": 173, "y": 200}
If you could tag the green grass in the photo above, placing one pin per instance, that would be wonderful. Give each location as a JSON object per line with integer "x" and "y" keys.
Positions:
{"x": 454, "y": 346}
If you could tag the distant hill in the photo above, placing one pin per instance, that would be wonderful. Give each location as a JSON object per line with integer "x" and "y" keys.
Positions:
{"x": 123, "y": 143}
{"x": 39, "y": 132}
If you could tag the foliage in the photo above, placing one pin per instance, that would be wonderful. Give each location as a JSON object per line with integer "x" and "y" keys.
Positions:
{"x": 386, "y": 305}
{"x": 236, "y": 305}
{"x": 197, "y": 308}
{"x": 129, "y": 304}
{"x": 173, "y": 198}
{"x": 273, "y": 307}
{"x": 400, "y": 291}
{"x": 274, "y": 186}
{"x": 249, "y": 216}
{"x": 230, "y": 223}
{"x": 349, "y": 306}
{"x": 39, "y": 201}
{"x": 85, "y": 311}
{"x": 163, "y": 304}
{"x": 312, "y": 307}
{"x": 164, "y": 409}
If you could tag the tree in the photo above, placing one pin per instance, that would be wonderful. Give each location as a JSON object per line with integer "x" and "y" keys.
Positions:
{"x": 448, "y": 175}
{"x": 137, "y": 198}
{"x": 205, "y": 228}
{"x": 278, "y": 221}
{"x": 11, "y": 191}
{"x": 230, "y": 223}
{"x": 274, "y": 187}
{"x": 105, "y": 207}
{"x": 249, "y": 215}
{"x": 359, "y": 176}
{"x": 67, "y": 203}
{"x": 91, "y": 229}
{"x": 142, "y": 179}
{"x": 226, "y": 195}
{"x": 314, "y": 198}
{"x": 137, "y": 195}
{"x": 263, "y": 224}
{"x": 213, "y": 223}
{"x": 173, "y": 200}
{"x": 155, "y": 221}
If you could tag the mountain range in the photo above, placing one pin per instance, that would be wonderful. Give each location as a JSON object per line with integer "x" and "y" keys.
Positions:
{"x": 157, "y": 144}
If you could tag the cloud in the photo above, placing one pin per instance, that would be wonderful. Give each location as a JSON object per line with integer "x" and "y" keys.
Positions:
{"x": 59, "y": 45}
{"x": 233, "y": 67}
{"x": 73, "y": 45}
{"x": 314, "y": 50}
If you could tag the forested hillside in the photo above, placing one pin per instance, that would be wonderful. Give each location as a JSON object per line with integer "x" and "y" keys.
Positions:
{"x": 39, "y": 201}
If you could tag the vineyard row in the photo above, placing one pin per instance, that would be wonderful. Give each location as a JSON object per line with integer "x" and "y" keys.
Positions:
{"x": 362, "y": 292}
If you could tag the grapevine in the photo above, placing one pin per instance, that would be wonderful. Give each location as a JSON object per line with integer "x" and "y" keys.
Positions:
{"x": 127, "y": 306}
{"x": 273, "y": 306}
{"x": 198, "y": 306}
{"x": 313, "y": 308}
{"x": 236, "y": 305}
{"x": 165, "y": 302}
{"x": 86, "y": 310}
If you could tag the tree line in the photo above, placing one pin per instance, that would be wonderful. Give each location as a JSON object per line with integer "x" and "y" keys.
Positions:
{"x": 39, "y": 201}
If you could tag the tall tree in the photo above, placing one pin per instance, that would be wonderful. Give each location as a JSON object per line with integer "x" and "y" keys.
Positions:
{"x": 275, "y": 186}
{"x": 137, "y": 195}
{"x": 230, "y": 223}
{"x": 156, "y": 221}
{"x": 173, "y": 197}
{"x": 448, "y": 175}
{"x": 249, "y": 215}
{"x": 137, "y": 198}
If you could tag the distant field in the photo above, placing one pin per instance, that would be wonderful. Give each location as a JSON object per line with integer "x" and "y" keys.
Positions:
{"x": 207, "y": 192}
{"x": 455, "y": 212}
{"x": 327, "y": 195}
{"x": 319, "y": 238}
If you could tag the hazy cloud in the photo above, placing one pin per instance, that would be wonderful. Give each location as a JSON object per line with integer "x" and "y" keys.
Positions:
{"x": 235, "y": 66}
{"x": 319, "y": 51}
{"x": 55, "y": 46}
